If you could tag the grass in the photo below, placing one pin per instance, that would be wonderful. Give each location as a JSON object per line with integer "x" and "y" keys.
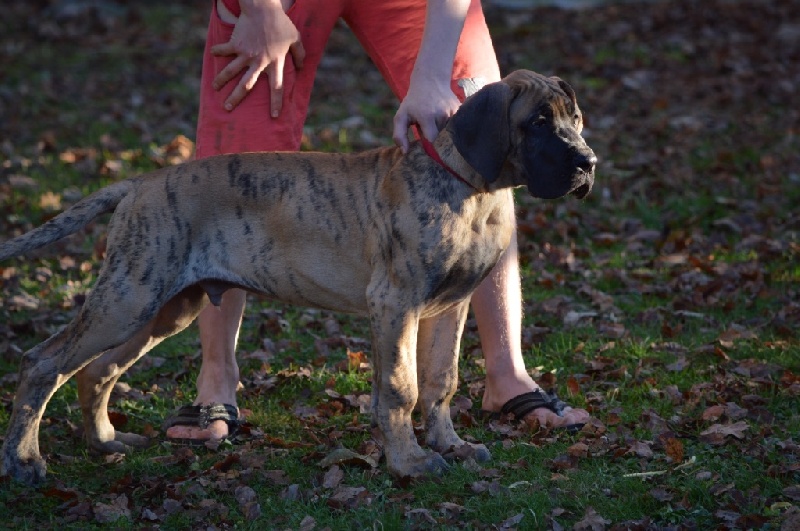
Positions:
{"x": 689, "y": 317}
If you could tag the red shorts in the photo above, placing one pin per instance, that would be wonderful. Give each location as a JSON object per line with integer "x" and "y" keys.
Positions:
{"x": 389, "y": 30}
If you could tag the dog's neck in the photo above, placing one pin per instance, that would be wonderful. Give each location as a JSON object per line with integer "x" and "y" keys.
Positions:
{"x": 444, "y": 153}
{"x": 429, "y": 148}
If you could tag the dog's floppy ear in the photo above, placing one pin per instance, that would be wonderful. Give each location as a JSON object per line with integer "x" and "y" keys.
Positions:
{"x": 480, "y": 129}
{"x": 566, "y": 88}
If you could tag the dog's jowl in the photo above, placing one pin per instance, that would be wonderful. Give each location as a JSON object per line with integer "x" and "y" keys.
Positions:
{"x": 412, "y": 237}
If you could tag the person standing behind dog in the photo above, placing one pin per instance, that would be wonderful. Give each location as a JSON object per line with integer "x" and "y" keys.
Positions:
{"x": 259, "y": 66}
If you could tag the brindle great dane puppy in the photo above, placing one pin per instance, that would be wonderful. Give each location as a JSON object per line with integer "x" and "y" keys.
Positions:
{"x": 392, "y": 236}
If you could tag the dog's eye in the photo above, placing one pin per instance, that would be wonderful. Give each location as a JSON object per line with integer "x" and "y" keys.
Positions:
{"x": 539, "y": 121}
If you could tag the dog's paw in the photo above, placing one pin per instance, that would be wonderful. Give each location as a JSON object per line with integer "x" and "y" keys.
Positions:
{"x": 428, "y": 464}
{"x": 31, "y": 471}
{"x": 133, "y": 440}
{"x": 122, "y": 443}
{"x": 436, "y": 465}
{"x": 466, "y": 451}
{"x": 482, "y": 454}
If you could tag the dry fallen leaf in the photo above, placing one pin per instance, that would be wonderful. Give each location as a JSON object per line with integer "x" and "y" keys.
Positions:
{"x": 106, "y": 513}
{"x": 674, "y": 449}
{"x": 343, "y": 456}
{"x": 333, "y": 477}
{"x": 640, "y": 449}
{"x": 718, "y": 433}
{"x": 578, "y": 450}
{"x": 591, "y": 521}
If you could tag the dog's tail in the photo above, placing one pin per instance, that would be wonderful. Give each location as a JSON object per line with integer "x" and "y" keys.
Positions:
{"x": 70, "y": 221}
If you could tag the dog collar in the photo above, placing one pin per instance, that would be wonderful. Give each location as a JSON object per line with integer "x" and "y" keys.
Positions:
{"x": 431, "y": 151}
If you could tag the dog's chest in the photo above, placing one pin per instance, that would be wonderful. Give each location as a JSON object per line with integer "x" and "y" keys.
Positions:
{"x": 466, "y": 252}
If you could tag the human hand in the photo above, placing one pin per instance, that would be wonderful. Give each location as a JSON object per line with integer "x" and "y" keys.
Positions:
{"x": 262, "y": 37}
{"x": 429, "y": 104}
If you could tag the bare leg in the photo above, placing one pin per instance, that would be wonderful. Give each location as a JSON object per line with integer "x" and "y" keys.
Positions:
{"x": 497, "y": 304}
{"x": 219, "y": 373}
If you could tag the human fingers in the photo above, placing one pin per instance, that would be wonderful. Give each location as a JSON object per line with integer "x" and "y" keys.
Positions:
{"x": 230, "y": 71}
{"x": 275, "y": 74}
{"x": 429, "y": 128}
{"x": 400, "y": 132}
{"x": 244, "y": 86}
{"x": 298, "y": 53}
{"x": 223, "y": 49}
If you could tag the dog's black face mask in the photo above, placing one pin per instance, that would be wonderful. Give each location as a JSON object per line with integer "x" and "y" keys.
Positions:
{"x": 556, "y": 158}
{"x": 536, "y": 118}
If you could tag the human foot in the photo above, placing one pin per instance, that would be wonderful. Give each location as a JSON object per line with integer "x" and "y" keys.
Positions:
{"x": 523, "y": 398}
{"x": 196, "y": 424}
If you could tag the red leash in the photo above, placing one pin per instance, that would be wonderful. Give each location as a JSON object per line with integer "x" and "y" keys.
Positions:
{"x": 431, "y": 151}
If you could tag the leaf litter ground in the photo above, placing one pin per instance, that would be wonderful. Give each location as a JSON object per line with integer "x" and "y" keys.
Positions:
{"x": 667, "y": 303}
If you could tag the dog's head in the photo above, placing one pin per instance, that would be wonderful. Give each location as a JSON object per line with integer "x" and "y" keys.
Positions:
{"x": 526, "y": 129}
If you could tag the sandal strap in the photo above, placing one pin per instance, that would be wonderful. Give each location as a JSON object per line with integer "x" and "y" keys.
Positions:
{"x": 202, "y": 416}
{"x": 226, "y": 412}
{"x": 523, "y": 404}
{"x": 187, "y": 415}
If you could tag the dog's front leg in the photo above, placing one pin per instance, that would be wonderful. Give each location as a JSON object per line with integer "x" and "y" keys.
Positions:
{"x": 394, "y": 331}
{"x": 438, "y": 346}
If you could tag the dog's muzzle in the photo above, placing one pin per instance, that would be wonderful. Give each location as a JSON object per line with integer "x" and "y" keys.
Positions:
{"x": 584, "y": 178}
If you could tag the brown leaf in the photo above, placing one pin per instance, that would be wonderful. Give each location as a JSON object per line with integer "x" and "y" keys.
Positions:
{"x": 718, "y": 433}
{"x": 674, "y": 449}
{"x": 227, "y": 463}
{"x": 179, "y": 150}
{"x": 245, "y": 495}
{"x": 277, "y": 477}
{"x": 343, "y": 456}
{"x": 333, "y": 477}
{"x": 578, "y": 450}
{"x": 420, "y": 513}
{"x": 612, "y": 330}
{"x": 713, "y": 413}
{"x": 510, "y": 523}
{"x": 106, "y": 513}
{"x": 792, "y": 492}
{"x": 291, "y": 493}
{"x": 308, "y": 523}
{"x": 680, "y": 364}
{"x": 357, "y": 361}
{"x": 451, "y": 509}
{"x": 605, "y": 239}
{"x": 62, "y": 494}
{"x": 247, "y": 499}
{"x": 50, "y": 201}
{"x": 492, "y": 487}
{"x": 591, "y": 521}
{"x": 573, "y": 387}
{"x": 661, "y": 494}
{"x": 640, "y": 449}
{"x": 349, "y": 498}
{"x": 563, "y": 462}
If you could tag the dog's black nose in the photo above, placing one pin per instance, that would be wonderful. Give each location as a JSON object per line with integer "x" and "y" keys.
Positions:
{"x": 585, "y": 161}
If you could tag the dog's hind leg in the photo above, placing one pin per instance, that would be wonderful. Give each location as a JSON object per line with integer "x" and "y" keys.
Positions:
{"x": 99, "y": 327}
{"x": 96, "y": 381}
{"x": 438, "y": 344}
{"x": 21, "y": 459}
